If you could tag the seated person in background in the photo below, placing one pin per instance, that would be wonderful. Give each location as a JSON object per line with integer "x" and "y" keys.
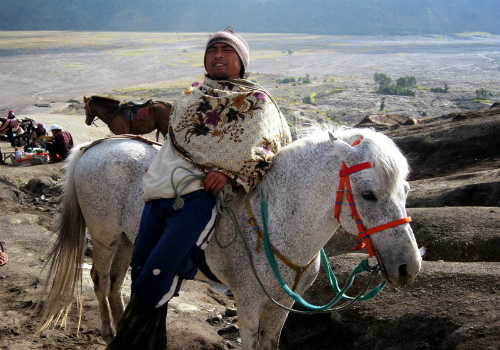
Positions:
{"x": 61, "y": 145}
{"x": 38, "y": 136}
{"x": 3, "y": 258}
{"x": 10, "y": 126}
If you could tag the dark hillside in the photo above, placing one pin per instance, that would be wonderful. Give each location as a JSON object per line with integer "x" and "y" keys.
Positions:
{"x": 356, "y": 17}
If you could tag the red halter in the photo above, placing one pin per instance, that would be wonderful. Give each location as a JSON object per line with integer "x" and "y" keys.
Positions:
{"x": 363, "y": 239}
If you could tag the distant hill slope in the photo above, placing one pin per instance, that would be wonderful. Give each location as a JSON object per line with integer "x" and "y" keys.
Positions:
{"x": 357, "y": 17}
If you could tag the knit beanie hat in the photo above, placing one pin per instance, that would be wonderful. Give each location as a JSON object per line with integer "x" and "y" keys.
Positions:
{"x": 228, "y": 36}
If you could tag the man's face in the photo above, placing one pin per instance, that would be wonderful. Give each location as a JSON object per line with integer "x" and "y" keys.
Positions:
{"x": 222, "y": 62}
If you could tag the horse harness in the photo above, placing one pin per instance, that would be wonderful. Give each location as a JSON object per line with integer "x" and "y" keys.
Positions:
{"x": 88, "y": 111}
{"x": 260, "y": 236}
{"x": 363, "y": 239}
{"x": 130, "y": 111}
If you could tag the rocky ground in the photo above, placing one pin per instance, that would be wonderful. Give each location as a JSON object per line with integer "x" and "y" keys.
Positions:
{"x": 451, "y": 145}
{"x": 453, "y": 304}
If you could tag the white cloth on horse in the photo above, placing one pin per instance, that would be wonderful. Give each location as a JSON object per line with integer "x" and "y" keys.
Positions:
{"x": 157, "y": 183}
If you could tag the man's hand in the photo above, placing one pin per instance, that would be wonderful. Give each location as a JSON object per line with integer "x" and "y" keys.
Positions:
{"x": 215, "y": 181}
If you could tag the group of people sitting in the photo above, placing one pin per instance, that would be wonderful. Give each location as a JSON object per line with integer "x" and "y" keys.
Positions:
{"x": 58, "y": 144}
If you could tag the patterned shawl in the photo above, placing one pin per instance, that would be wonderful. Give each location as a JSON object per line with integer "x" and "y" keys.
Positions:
{"x": 232, "y": 126}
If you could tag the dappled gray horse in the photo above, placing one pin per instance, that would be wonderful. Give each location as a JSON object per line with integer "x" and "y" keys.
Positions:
{"x": 103, "y": 195}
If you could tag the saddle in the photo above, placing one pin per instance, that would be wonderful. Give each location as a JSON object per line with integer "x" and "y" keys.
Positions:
{"x": 121, "y": 137}
{"x": 136, "y": 111}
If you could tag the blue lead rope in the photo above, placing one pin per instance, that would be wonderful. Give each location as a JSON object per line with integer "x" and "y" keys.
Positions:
{"x": 362, "y": 267}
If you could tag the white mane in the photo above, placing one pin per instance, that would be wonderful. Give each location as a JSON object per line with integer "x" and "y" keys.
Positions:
{"x": 390, "y": 166}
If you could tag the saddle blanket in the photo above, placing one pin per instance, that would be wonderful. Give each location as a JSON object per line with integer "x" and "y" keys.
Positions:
{"x": 135, "y": 113}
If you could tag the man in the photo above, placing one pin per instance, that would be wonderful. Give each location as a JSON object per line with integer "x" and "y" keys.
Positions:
{"x": 61, "y": 145}
{"x": 226, "y": 128}
{"x": 38, "y": 136}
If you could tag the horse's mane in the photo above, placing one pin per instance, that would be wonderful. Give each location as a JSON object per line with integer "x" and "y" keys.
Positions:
{"x": 390, "y": 166}
{"x": 105, "y": 99}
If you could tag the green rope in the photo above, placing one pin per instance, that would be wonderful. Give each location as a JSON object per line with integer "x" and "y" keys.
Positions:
{"x": 223, "y": 199}
{"x": 362, "y": 267}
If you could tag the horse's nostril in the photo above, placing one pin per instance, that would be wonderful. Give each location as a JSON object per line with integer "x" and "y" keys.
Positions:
{"x": 402, "y": 271}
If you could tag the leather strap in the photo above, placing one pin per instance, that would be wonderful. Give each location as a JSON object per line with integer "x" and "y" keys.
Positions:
{"x": 260, "y": 236}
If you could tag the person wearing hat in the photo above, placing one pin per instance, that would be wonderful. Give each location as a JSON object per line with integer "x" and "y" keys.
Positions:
{"x": 224, "y": 130}
{"x": 38, "y": 136}
{"x": 61, "y": 144}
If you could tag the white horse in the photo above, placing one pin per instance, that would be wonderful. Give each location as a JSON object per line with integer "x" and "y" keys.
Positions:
{"x": 103, "y": 195}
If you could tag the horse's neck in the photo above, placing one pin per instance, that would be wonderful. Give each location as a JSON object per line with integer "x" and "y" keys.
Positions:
{"x": 301, "y": 200}
{"x": 104, "y": 108}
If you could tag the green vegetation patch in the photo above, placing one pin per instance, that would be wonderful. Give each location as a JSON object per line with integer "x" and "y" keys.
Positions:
{"x": 293, "y": 80}
{"x": 311, "y": 99}
{"x": 404, "y": 85}
{"x": 441, "y": 90}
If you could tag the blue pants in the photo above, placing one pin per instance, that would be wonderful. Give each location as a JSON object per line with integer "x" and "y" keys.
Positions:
{"x": 169, "y": 245}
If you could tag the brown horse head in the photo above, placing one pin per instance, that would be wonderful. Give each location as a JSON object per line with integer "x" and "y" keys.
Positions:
{"x": 100, "y": 107}
{"x": 89, "y": 116}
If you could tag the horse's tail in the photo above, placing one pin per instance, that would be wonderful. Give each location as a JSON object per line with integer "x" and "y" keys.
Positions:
{"x": 66, "y": 257}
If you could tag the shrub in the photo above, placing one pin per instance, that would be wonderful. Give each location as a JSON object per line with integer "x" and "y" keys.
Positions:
{"x": 292, "y": 80}
{"x": 382, "y": 104}
{"x": 309, "y": 99}
{"x": 407, "y": 82}
{"x": 396, "y": 90}
{"x": 306, "y": 79}
{"x": 441, "y": 90}
{"x": 286, "y": 80}
{"x": 483, "y": 94}
{"x": 382, "y": 79}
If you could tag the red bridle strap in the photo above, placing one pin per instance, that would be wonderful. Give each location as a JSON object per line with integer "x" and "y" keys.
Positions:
{"x": 363, "y": 239}
{"x": 355, "y": 168}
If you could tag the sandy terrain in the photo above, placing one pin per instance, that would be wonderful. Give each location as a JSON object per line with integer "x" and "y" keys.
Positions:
{"x": 49, "y": 68}
{"x": 42, "y": 74}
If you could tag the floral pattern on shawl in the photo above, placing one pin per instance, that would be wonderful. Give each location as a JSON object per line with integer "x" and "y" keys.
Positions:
{"x": 233, "y": 126}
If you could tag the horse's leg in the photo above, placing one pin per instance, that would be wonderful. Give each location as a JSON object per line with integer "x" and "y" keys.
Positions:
{"x": 119, "y": 267}
{"x": 272, "y": 320}
{"x": 248, "y": 321}
{"x": 161, "y": 116}
{"x": 101, "y": 267}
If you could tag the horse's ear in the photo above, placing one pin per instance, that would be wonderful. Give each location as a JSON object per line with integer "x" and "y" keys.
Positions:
{"x": 342, "y": 148}
{"x": 84, "y": 99}
{"x": 333, "y": 138}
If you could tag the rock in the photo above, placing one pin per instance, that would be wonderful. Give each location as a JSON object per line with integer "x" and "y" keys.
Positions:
{"x": 452, "y": 144}
{"x": 433, "y": 312}
{"x": 469, "y": 189}
{"x": 192, "y": 334}
{"x": 385, "y": 121}
{"x": 457, "y": 234}
{"x": 38, "y": 185}
{"x": 230, "y": 312}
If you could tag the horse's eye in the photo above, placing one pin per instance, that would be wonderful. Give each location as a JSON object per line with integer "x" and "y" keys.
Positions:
{"x": 369, "y": 196}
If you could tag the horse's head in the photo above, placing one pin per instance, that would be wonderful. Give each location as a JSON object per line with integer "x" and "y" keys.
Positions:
{"x": 89, "y": 116}
{"x": 375, "y": 170}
